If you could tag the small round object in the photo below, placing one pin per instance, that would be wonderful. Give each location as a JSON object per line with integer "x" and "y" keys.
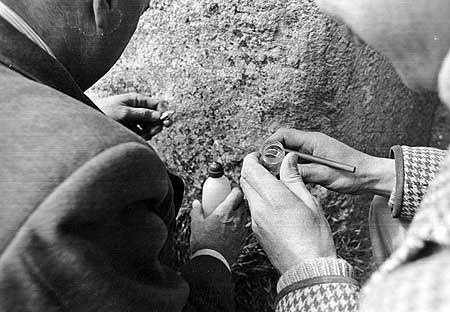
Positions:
{"x": 215, "y": 170}
{"x": 272, "y": 154}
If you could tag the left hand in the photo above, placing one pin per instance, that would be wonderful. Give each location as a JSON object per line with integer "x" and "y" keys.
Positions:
{"x": 223, "y": 230}
{"x": 287, "y": 220}
{"x": 136, "y": 111}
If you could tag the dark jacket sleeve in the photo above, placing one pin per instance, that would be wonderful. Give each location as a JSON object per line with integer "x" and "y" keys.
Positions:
{"x": 210, "y": 285}
{"x": 209, "y": 280}
{"x": 94, "y": 243}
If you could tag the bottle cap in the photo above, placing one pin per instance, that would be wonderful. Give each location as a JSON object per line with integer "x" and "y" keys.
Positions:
{"x": 215, "y": 170}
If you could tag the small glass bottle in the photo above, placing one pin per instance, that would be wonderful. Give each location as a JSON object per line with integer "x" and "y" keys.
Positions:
{"x": 215, "y": 189}
{"x": 272, "y": 154}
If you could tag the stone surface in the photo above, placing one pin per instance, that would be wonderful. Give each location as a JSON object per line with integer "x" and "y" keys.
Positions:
{"x": 238, "y": 70}
{"x": 268, "y": 64}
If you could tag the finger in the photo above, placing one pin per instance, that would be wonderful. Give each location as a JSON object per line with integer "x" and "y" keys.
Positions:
{"x": 291, "y": 177}
{"x": 142, "y": 115}
{"x": 155, "y": 130}
{"x": 197, "y": 211}
{"x": 259, "y": 178}
{"x": 255, "y": 201}
{"x": 143, "y": 101}
{"x": 314, "y": 173}
{"x": 259, "y": 209}
{"x": 254, "y": 173}
{"x": 167, "y": 123}
{"x": 149, "y": 132}
{"x": 231, "y": 203}
{"x": 162, "y": 105}
{"x": 295, "y": 139}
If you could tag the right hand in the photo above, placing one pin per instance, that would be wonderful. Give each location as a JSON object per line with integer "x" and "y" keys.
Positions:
{"x": 373, "y": 174}
{"x": 132, "y": 109}
{"x": 287, "y": 220}
{"x": 223, "y": 230}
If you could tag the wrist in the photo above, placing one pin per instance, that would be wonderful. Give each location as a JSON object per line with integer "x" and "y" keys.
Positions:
{"x": 315, "y": 268}
{"x": 379, "y": 177}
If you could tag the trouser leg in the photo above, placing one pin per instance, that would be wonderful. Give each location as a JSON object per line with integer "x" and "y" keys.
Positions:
{"x": 386, "y": 233}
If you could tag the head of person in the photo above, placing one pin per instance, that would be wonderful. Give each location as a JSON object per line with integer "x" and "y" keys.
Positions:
{"x": 87, "y": 36}
{"x": 413, "y": 34}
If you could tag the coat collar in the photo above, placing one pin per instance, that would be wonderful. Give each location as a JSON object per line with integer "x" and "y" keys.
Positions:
{"x": 25, "y": 57}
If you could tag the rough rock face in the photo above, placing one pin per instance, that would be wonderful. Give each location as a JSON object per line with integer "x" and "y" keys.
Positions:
{"x": 238, "y": 70}
{"x": 272, "y": 63}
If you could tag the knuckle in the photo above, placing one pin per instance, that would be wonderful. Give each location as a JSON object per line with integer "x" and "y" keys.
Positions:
{"x": 124, "y": 113}
{"x": 286, "y": 132}
{"x": 163, "y": 105}
{"x": 283, "y": 130}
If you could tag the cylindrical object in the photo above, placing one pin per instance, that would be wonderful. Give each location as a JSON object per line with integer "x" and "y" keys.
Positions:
{"x": 324, "y": 161}
{"x": 272, "y": 154}
{"x": 215, "y": 189}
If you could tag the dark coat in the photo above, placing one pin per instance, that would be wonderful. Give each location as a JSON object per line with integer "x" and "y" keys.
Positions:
{"x": 86, "y": 205}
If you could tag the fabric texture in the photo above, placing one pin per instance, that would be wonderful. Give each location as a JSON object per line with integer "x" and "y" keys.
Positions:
{"x": 207, "y": 291}
{"x": 15, "y": 20}
{"x": 322, "y": 284}
{"x": 423, "y": 258}
{"x": 314, "y": 268}
{"x": 87, "y": 207}
{"x": 415, "y": 167}
{"x": 339, "y": 297}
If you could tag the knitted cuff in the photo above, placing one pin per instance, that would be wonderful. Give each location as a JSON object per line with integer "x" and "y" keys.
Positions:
{"x": 312, "y": 268}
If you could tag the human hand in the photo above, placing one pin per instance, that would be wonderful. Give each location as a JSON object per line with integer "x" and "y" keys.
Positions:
{"x": 287, "y": 220}
{"x": 137, "y": 112}
{"x": 223, "y": 230}
{"x": 373, "y": 174}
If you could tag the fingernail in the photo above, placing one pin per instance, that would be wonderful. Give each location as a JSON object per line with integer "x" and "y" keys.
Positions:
{"x": 166, "y": 115}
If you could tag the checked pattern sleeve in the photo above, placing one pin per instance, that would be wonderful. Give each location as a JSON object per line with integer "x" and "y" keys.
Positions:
{"x": 318, "y": 285}
{"x": 415, "y": 168}
{"x": 338, "y": 297}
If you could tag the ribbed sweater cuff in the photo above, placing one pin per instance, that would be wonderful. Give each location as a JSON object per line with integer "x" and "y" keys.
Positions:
{"x": 315, "y": 268}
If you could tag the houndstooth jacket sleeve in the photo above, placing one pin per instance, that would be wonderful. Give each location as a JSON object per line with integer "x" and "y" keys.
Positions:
{"x": 415, "y": 168}
{"x": 317, "y": 285}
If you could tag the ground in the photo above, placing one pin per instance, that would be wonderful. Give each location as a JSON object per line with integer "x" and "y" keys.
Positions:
{"x": 235, "y": 71}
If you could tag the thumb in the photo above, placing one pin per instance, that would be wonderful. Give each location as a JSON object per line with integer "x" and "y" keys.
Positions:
{"x": 197, "y": 211}
{"x": 291, "y": 177}
{"x": 231, "y": 203}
